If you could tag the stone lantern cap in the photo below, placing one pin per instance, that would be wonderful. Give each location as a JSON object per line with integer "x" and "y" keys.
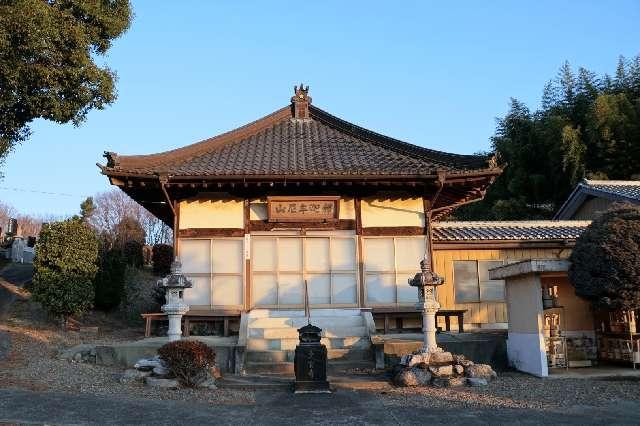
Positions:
{"x": 176, "y": 279}
{"x": 426, "y": 277}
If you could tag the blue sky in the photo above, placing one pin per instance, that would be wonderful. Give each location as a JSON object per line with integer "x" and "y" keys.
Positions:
{"x": 433, "y": 74}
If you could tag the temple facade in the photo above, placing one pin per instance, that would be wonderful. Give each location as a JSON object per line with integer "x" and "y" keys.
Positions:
{"x": 301, "y": 195}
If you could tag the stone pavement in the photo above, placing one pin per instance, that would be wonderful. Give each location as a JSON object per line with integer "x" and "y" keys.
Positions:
{"x": 282, "y": 408}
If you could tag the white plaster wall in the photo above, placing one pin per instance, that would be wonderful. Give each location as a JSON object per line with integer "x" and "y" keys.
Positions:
{"x": 526, "y": 353}
{"x": 525, "y": 342}
{"x": 212, "y": 213}
{"x": 392, "y": 212}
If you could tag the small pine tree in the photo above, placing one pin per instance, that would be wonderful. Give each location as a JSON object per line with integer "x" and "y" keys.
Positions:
{"x": 65, "y": 266}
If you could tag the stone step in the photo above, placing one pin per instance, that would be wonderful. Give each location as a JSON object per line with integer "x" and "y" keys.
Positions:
{"x": 322, "y": 322}
{"x": 292, "y": 333}
{"x": 257, "y": 344}
{"x": 277, "y": 368}
{"x": 289, "y": 355}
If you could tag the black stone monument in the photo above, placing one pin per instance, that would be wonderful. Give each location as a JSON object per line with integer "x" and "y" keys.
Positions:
{"x": 310, "y": 362}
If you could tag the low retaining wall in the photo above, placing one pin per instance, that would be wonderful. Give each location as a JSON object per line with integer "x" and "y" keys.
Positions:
{"x": 126, "y": 354}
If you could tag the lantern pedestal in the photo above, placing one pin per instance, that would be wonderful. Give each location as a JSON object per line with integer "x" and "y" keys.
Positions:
{"x": 429, "y": 329}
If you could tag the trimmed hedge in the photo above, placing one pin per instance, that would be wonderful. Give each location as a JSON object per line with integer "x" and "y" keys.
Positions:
{"x": 189, "y": 361}
{"x": 605, "y": 262}
{"x": 65, "y": 266}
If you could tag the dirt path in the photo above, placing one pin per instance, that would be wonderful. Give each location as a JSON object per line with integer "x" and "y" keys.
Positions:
{"x": 12, "y": 278}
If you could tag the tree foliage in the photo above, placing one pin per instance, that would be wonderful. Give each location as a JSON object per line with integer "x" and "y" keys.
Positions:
{"x": 162, "y": 257}
{"x": 109, "y": 282}
{"x": 47, "y": 61}
{"x": 605, "y": 263}
{"x": 65, "y": 266}
{"x": 587, "y": 126}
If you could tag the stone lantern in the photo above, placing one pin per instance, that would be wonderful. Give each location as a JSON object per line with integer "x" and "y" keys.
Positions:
{"x": 426, "y": 281}
{"x": 174, "y": 285}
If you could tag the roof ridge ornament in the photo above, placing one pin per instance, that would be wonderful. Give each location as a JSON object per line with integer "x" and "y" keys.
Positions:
{"x": 300, "y": 102}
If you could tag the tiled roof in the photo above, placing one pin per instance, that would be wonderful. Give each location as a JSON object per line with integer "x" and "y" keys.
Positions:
{"x": 513, "y": 230}
{"x": 628, "y": 189}
{"x": 614, "y": 190}
{"x": 321, "y": 145}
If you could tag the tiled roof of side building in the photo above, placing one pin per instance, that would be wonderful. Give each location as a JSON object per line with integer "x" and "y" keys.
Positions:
{"x": 615, "y": 190}
{"x": 318, "y": 145}
{"x": 629, "y": 189}
{"x": 539, "y": 230}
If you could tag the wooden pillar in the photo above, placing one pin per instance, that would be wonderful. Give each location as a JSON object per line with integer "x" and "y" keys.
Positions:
{"x": 247, "y": 254}
{"x": 361, "y": 276}
{"x": 176, "y": 228}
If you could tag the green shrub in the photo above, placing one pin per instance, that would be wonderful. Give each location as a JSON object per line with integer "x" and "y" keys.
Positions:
{"x": 109, "y": 282}
{"x": 64, "y": 268}
{"x": 605, "y": 262}
{"x": 162, "y": 258}
{"x": 133, "y": 254}
{"x": 188, "y": 360}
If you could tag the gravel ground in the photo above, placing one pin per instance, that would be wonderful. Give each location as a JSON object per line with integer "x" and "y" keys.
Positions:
{"x": 515, "y": 390}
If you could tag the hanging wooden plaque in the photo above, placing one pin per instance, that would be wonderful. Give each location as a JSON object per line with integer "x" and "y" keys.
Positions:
{"x": 303, "y": 209}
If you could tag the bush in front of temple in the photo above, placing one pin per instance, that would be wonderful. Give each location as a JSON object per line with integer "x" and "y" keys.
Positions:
{"x": 65, "y": 266}
{"x": 162, "y": 256}
{"x": 109, "y": 282}
{"x": 189, "y": 361}
{"x": 605, "y": 263}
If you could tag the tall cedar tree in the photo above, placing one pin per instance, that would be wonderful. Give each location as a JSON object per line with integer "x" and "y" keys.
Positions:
{"x": 47, "y": 61}
{"x": 588, "y": 126}
{"x": 605, "y": 263}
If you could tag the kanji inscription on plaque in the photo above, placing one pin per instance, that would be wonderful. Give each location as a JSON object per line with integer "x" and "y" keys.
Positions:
{"x": 303, "y": 209}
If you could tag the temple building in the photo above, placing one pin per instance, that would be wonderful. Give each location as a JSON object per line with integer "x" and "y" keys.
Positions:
{"x": 301, "y": 196}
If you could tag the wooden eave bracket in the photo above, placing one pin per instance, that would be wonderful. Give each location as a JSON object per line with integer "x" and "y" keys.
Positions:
{"x": 163, "y": 181}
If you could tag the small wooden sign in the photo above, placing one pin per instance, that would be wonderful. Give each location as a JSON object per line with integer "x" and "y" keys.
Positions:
{"x": 303, "y": 209}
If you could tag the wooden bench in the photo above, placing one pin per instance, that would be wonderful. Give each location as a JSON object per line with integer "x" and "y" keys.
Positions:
{"x": 192, "y": 317}
{"x": 400, "y": 314}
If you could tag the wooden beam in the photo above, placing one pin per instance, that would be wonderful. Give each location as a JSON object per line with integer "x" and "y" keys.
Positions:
{"x": 210, "y": 232}
{"x": 379, "y": 231}
{"x": 343, "y": 224}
